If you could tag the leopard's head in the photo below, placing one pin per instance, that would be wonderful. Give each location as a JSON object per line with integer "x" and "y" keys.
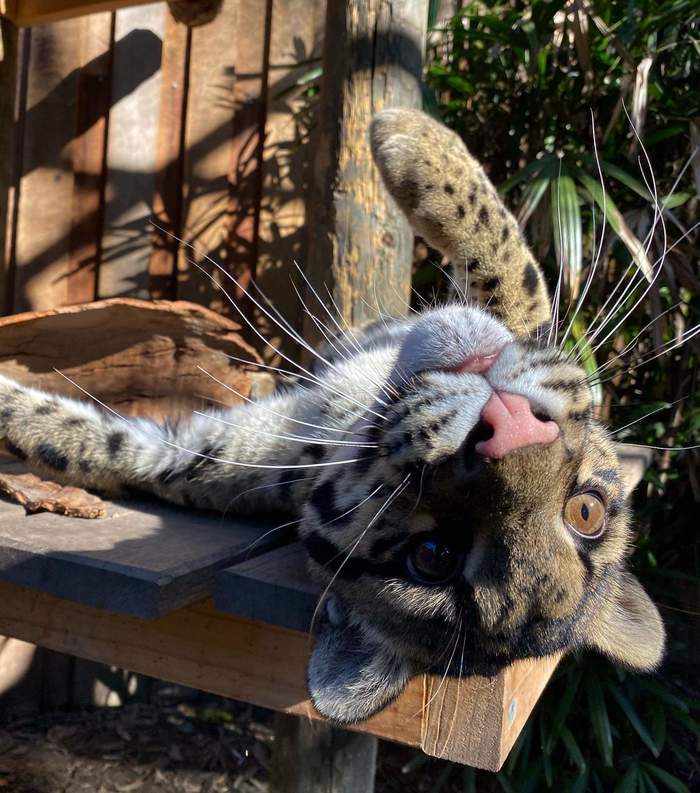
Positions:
{"x": 489, "y": 523}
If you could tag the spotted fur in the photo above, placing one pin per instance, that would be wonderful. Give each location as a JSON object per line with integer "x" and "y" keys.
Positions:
{"x": 382, "y": 452}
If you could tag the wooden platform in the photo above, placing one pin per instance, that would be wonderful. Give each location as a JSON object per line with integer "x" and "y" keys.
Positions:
{"x": 194, "y": 599}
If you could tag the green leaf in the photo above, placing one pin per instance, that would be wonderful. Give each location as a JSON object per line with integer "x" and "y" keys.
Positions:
{"x": 649, "y": 782}
{"x": 630, "y": 781}
{"x": 634, "y": 719}
{"x": 573, "y": 749}
{"x": 505, "y": 783}
{"x": 617, "y": 222}
{"x": 599, "y": 719}
{"x": 660, "y": 691}
{"x": 580, "y": 785}
{"x": 562, "y": 711}
{"x": 469, "y": 780}
{"x": 667, "y": 780}
{"x": 658, "y": 724}
{"x": 566, "y": 225}
{"x": 531, "y": 169}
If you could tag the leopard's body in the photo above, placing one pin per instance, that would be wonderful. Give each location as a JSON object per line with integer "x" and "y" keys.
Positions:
{"x": 380, "y": 459}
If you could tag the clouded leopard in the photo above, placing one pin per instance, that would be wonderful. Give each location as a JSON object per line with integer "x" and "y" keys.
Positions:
{"x": 454, "y": 490}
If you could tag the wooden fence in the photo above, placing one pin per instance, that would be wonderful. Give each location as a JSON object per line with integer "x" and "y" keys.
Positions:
{"x": 125, "y": 116}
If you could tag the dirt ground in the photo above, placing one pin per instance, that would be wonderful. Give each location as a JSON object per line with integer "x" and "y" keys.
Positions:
{"x": 178, "y": 747}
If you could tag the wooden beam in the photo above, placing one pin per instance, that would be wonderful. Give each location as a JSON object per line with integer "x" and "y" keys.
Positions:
{"x": 39, "y": 12}
{"x": 361, "y": 245}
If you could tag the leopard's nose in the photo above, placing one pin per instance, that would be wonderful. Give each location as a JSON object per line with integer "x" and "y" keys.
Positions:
{"x": 514, "y": 426}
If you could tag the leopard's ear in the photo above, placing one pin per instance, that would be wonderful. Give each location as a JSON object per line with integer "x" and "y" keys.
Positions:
{"x": 350, "y": 675}
{"x": 450, "y": 202}
{"x": 628, "y": 629}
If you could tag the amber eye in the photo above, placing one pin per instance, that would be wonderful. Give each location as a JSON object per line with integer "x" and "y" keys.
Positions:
{"x": 585, "y": 514}
{"x": 433, "y": 562}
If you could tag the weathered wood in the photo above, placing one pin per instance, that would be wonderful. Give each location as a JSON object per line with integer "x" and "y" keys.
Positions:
{"x": 42, "y": 249}
{"x": 13, "y": 45}
{"x": 295, "y": 39}
{"x": 88, "y": 157}
{"x": 40, "y": 12}
{"x": 195, "y": 646}
{"x": 361, "y": 246}
{"x": 207, "y": 153}
{"x": 310, "y": 757}
{"x": 167, "y": 198}
{"x": 273, "y": 588}
{"x": 131, "y": 151}
{"x": 145, "y": 558}
{"x": 140, "y": 357}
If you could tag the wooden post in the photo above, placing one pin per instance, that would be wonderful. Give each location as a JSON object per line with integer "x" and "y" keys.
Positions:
{"x": 310, "y": 757}
{"x": 360, "y": 245}
{"x": 361, "y": 249}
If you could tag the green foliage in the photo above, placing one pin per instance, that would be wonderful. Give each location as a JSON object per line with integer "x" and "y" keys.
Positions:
{"x": 582, "y": 111}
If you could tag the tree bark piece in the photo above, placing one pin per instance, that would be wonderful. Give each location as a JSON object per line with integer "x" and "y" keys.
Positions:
{"x": 142, "y": 358}
{"x": 361, "y": 245}
{"x": 39, "y": 495}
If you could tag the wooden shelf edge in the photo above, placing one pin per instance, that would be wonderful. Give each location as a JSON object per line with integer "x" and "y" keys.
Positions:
{"x": 25, "y": 13}
{"x": 199, "y": 646}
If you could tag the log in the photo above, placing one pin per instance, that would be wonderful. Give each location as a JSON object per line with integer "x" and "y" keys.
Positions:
{"x": 139, "y": 357}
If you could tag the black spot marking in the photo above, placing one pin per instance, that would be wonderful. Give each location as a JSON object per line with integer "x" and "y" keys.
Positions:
{"x": 428, "y": 187}
{"x": 449, "y": 189}
{"x": 472, "y": 197}
{"x": 473, "y": 264}
{"x": 491, "y": 283}
{"x": 323, "y": 499}
{"x": 85, "y": 466}
{"x": 607, "y": 475}
{"x": 6, "y": 414}
{"x": 483, "y": 215}
{"x": 505, "y": 233}
{"x": 169, "y": 475}
{"x": 460, "y": 211}
{"x": 114, "y": 442}
{"x": 563, "y": 385}
{"x": 73, "y": 422}
{"x": 530, "y": 279}
{"x": 52, "y": 457}
{"x": 314, "y": 450}
{"x": 46, "y": 409}
{"x": 579, "y": 415}
{"x": 13, "y": 449}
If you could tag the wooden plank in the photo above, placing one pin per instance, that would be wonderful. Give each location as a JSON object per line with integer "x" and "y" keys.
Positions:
{"x": 46, "y": 185}
{"x": 273, "y": 588}
{"x": 373, "y": 58}
{"x": 40, "y": 12}
{"x": 13, "y": 44}
{"x": 145, "y": 558}
{"x": 480, "y": 717}
{"x": 88, "y": 157}
{"x": 195, "y": 646}
{"x": 167, "y": 198}
{"x": 132, "y": 150}
{"x": 207, "y": 139}
{"x": 295, "y": 39}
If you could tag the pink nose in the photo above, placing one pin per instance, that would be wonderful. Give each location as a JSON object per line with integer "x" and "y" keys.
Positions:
{"x": 513, "y": 424}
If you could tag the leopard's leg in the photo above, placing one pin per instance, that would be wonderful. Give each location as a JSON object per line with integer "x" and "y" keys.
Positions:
{"x": 451, "y": 203}
{"x": 244, "y": 465}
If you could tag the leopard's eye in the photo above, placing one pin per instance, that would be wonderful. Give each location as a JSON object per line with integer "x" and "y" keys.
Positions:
{"x": 432, "y": 561}
{"x": 584, "y": 513}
